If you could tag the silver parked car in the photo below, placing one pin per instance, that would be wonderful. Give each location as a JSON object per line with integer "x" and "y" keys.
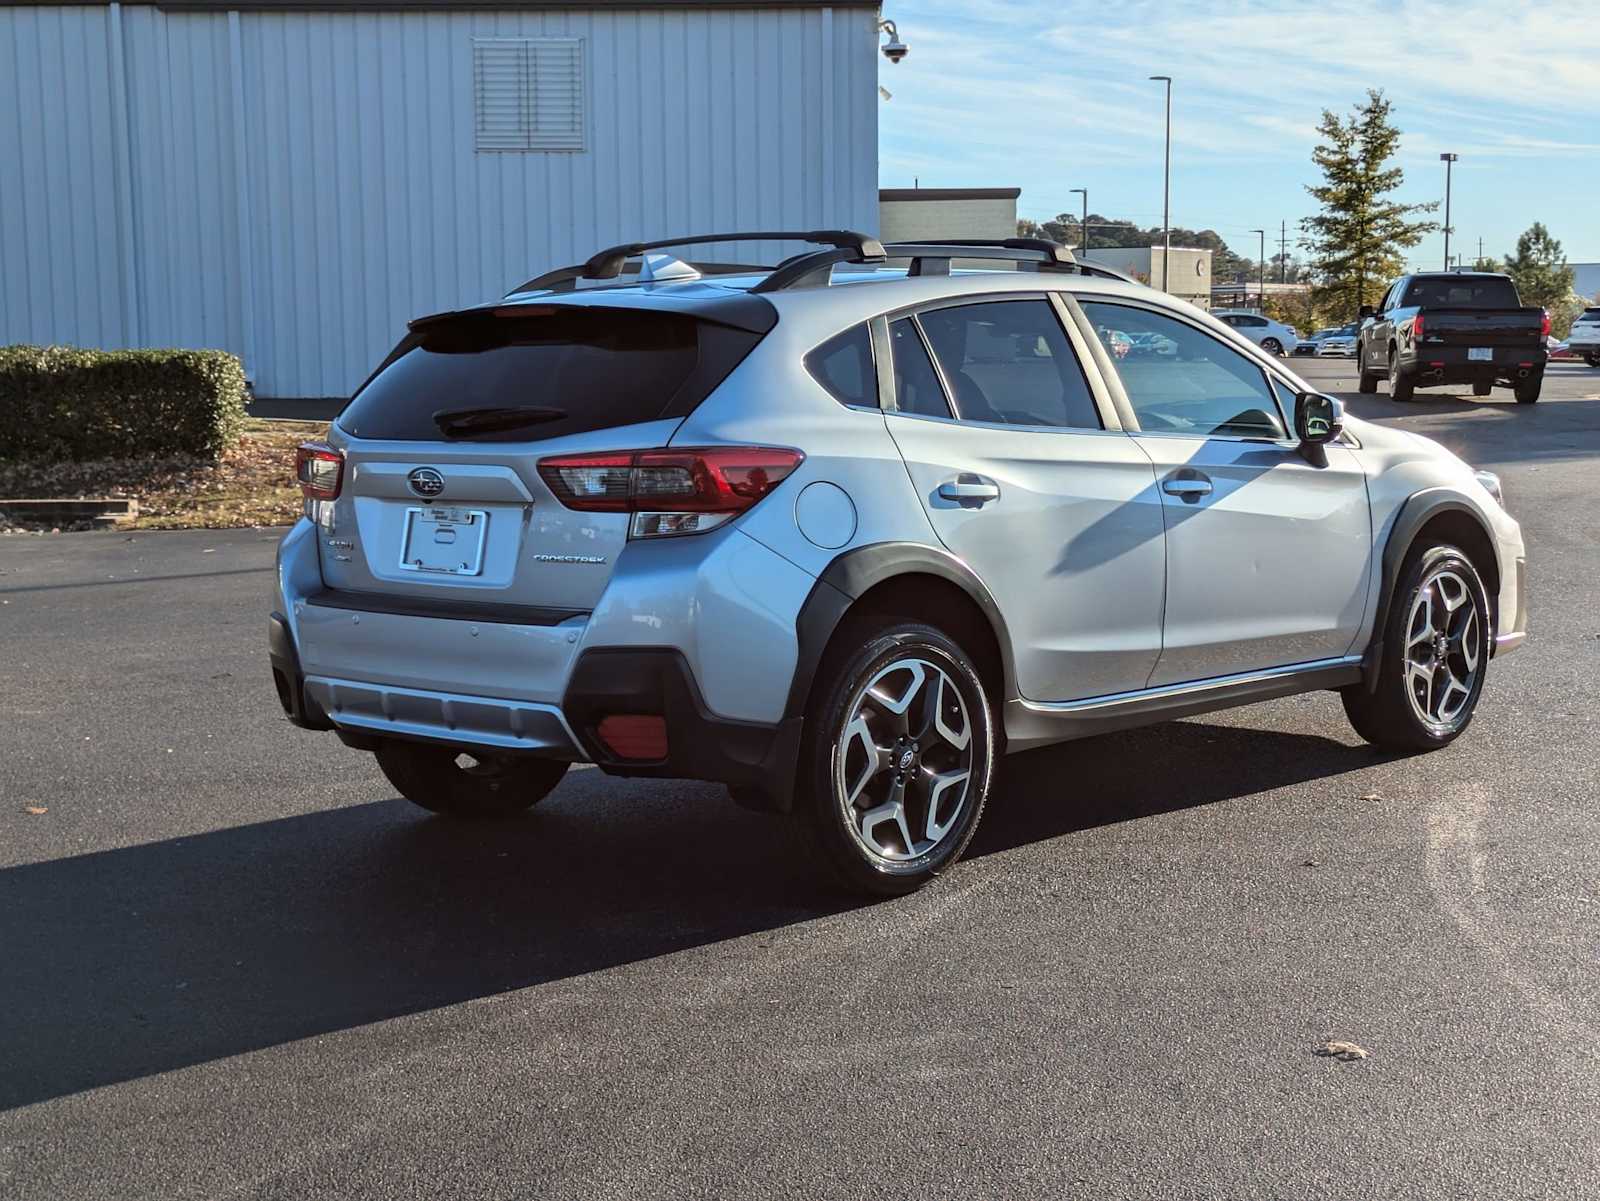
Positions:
{"x": 839, "y": 536}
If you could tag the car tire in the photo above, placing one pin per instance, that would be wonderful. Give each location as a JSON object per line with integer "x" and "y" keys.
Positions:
{"x": 897, "y": 756}
{"x": 1592, "y": 358}
{"x": 1272, "y": 346}
{"x": 1527, "y": 390}
{"x": 1428, "y": 685}
{"x": 1369, "y": 383}
{"x": 1401, "y": 386}
{"x": 1479, "y": 388}
{"x": 492, "y": 786}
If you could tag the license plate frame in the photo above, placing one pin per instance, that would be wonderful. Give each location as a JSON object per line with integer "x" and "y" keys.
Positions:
{"x": 459, "y": 555}
{"x": 1480, "y": 354}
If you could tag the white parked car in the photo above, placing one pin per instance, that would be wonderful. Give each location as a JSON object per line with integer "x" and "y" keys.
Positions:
{"x": 1584, "y": 340}
{"x": 1274, "y": 337}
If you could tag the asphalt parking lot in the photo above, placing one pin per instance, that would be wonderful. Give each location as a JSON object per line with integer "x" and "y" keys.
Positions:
{"x": 233, "y": 964}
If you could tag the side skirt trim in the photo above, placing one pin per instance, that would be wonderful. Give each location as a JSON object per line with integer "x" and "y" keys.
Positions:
{"x": 1037, "y": 723}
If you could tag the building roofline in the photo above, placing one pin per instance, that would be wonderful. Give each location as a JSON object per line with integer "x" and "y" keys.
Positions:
{"x": 436, "y": 5}
{"x": 948, "y": 193}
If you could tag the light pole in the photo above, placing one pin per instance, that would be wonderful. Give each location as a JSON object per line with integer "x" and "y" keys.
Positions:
{"x": 1083, "y": 245}
{"x": 1261, "y": 269}
{"x": 1449, "y": 161}
{"x": 1166, "y": 192}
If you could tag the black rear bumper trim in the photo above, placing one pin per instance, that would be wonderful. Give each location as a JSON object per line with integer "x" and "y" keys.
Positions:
{"x": 445, "y": 610}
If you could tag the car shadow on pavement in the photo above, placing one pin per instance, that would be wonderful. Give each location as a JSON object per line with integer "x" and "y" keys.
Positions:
{"x": 131, "y": 962}
{"x": 1113, "y": 778}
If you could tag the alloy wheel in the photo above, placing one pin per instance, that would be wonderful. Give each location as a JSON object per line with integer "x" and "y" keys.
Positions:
{"x": 1444, "y": 649}
{"x": 903, "y": 763}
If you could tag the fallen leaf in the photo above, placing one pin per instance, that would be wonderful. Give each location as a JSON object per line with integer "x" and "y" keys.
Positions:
{"x": 1372, "y": 796}
{"x": 1309, "y": 863}
{"x": 1336, "y": 1049}
{"x": 36, "y": 810}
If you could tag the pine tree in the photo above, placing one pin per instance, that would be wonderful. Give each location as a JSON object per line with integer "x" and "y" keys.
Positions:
{"x": 1539, "y": 268}
{"x": 1356, "y": 243}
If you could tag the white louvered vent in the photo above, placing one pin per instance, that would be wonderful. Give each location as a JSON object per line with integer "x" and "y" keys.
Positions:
{"x": 528, "y": 93}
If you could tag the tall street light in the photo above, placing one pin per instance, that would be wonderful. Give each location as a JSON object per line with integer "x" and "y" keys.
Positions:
{"x": 1448, "y": 160}
{"x": 1083, "y": 245}
{"x": 1261, "y": 268}
{"x": 1166, "y": 192}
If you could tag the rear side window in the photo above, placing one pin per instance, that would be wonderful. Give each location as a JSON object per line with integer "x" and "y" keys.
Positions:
{"x": 844, "y": 366}
{"x": 1461, "y": 293}
{"x": 1009, "y": 362}
{"x": 916, "y": 383}
{"x": 585, "y": 368}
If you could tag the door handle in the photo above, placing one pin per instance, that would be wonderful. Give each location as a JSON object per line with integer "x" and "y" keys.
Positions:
{"x": 1188, "y": 489}
{"x": 969, "y": 491}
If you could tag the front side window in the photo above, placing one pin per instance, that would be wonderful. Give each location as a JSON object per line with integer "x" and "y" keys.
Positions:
{"x": 1186, "y": 382}
{"x": 1009, "y": 362}
{"x": 916, "y": 383}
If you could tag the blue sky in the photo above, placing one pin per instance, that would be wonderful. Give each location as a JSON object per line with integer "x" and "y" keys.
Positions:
{"x": 1049, "y": 97}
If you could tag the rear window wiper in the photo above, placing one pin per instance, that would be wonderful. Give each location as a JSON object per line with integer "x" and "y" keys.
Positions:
{"x": 457, "y": 422}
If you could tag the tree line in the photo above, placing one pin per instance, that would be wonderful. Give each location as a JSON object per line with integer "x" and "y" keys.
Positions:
{"x": 1356, "y": 242}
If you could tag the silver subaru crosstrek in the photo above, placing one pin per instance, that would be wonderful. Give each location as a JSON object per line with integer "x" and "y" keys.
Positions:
{"x": 839, "y": 533}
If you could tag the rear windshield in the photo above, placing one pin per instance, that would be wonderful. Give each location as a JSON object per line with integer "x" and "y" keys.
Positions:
{"x": 1464, "y": 293}
{"x": 1590, "y": 315}
{"x": 594, "y": 367}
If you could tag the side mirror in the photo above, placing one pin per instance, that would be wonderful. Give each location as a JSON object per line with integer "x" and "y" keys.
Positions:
{"x": 1365, "y": 311}
{"x": 1318, "y": 420}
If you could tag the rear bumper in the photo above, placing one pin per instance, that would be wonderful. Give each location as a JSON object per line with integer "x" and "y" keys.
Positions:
{"x": 1450, "y": 365}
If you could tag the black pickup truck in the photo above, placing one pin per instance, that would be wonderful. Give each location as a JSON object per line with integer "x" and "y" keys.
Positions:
{"x": 1456, "y": 327}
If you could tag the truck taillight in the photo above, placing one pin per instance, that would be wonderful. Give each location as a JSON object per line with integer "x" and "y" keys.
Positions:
{"x": 1544, "y": 331}
{"x": 319, "y": 469}
{"x": 1416, "y": 327}
{"x": 669, "y": 492}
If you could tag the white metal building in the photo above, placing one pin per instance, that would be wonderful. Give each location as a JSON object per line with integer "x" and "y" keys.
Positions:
{"x": 292, "y": 180}
{"x": 1191, "y": 268}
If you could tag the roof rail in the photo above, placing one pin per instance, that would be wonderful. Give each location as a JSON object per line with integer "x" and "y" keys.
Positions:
{"x": 608, "y": 263}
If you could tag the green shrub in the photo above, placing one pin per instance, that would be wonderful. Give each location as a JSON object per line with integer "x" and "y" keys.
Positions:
{"x": 61, "y": 403}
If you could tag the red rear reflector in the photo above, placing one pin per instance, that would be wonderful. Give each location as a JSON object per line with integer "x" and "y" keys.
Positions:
{"x": 634, "y": 736}
{"x": 708, "y": 479}
{"x": 319, "y": 470}
{"x": 1436, "y": 364}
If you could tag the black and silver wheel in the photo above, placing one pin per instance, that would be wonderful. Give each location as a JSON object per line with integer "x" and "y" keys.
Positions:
{"x": 1272, "y": 346}
{"x": 1435, "y": 653}
{"x": 1401, "y": 386}
{"x": 898, "y": 755}
{"x": 460, "y": 784}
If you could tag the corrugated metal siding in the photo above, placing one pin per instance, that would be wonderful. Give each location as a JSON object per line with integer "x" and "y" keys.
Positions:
{"x": 368, "y": 202}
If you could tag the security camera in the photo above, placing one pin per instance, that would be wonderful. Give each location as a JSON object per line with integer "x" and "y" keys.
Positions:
{"x": 894, "y": 49}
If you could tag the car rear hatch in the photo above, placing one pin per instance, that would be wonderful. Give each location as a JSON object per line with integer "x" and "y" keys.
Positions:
{"x": 1498, "y": 329}
{"x": 441, "y": 509}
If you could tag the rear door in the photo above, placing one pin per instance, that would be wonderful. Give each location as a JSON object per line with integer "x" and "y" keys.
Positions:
{"x": 1267, "y": 555}
{"x": 1033, "y": 486}
{"x": 435, "y": 510}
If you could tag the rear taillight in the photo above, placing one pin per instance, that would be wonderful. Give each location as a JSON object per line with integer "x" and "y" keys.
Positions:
{"x": 669, "y": 492}
{"x": 1544, "y": 332}
{"x": 319, "y": 469}
{"x": 1416, "y": 327}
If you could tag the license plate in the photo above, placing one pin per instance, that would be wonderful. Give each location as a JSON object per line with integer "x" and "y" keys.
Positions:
{"x": 1480, "y": 354}
{"x": 444, "y": 541}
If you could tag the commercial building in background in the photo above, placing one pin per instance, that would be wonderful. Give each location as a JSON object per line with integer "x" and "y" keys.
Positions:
{"x": 292, "y": 180}
{"x": 1586, "y": 280}
{"x": 1191, "y": 269}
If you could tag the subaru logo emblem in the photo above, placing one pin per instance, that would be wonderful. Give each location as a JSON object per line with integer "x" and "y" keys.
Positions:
{"x": 425, "y": 481}
{"x": 906, "y": 757}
